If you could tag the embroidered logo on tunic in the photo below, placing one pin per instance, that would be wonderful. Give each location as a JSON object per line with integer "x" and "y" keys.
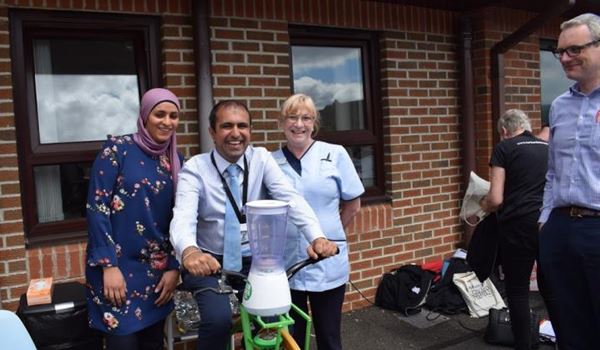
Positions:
{"x": 327, "y": 159}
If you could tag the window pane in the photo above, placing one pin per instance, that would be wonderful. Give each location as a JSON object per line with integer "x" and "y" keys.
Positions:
{"x": 85, "y": 89}
{"x": 362, "y": 157}
{"x": 333, "y": 77}
{"x": 61, "y": 191}
{"x": 553, "y": 80}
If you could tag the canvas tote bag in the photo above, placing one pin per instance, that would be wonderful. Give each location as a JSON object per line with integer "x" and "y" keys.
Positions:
{"x": 480, "y": 297}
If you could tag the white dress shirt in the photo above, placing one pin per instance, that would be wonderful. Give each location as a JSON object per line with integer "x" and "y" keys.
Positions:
{"x": 199, "y": 210}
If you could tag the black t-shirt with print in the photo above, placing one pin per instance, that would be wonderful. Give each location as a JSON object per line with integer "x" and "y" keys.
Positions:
{"x": 525, "y": 161}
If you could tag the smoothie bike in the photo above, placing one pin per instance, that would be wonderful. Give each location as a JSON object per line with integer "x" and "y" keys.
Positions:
{"x": 264, "y": 318}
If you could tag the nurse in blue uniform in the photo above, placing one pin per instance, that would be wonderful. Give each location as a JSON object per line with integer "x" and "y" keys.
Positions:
{"x": 325, "y": 176}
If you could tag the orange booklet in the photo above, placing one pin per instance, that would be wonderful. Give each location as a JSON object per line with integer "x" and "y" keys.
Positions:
{"x": 40, "y": 291}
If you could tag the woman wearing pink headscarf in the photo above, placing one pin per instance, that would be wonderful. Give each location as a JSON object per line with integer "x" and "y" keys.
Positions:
{"x": 131, "y": 271}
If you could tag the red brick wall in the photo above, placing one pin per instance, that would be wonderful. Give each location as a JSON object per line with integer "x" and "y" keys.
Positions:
{"x": 13, "y": 264}
{"x": 250, "y": 62}
{"x": 420, "y": 90}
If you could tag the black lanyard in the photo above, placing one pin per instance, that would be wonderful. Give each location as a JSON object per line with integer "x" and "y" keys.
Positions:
{"x": 241, "y": 217}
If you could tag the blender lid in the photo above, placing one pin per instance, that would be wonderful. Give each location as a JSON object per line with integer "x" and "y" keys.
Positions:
{"x": 267, "y": 206}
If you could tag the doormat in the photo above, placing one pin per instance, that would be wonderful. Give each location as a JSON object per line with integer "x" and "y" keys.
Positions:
{"x": 423, "y": 319}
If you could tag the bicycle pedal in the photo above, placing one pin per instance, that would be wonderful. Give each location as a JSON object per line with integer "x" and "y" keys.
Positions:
{"x": 180, "y": 329}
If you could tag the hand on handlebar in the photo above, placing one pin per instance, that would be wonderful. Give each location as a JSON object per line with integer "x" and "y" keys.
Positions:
{"x": 321, "y": 248}
{"x": 201, "y": 264}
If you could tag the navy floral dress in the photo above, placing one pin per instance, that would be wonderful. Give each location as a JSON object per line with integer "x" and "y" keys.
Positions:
{"x": 129, "y": 208}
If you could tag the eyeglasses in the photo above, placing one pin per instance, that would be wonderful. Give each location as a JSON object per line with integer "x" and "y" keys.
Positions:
{"x": 305, "y": 118}
{"x": 574, "y": 50}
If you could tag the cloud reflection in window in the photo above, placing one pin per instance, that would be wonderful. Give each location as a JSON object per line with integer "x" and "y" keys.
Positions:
{"x": 328, "y": 73}
{"x": 76, "y": 108}
{"x": 333, "y": 77}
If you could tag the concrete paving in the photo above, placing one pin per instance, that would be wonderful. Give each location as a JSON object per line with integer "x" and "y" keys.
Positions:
{"x": 373, "y": 328}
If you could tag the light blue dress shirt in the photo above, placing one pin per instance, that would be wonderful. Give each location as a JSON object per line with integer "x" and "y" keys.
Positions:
{"x": 199, "y": 211}
{"x": 573, "y": 176}
{"x": 328, "y": 176}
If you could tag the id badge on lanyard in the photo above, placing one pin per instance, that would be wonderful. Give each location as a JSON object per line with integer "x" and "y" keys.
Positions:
{"x": 244, "y": 232}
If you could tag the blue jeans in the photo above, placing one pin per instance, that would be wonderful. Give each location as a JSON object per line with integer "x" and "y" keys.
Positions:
{"x": 570, "y": 258}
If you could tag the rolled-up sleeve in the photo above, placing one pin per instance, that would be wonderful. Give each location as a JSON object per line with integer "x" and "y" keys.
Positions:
{"x": 548, "y": 201}
{"x": 548, "y": 205}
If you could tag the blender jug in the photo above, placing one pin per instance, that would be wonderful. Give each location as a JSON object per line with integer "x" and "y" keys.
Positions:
{"x": 267, "y": 291}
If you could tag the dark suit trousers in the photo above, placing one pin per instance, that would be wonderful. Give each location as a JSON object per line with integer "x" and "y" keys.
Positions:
{"x": 570, "y": 258}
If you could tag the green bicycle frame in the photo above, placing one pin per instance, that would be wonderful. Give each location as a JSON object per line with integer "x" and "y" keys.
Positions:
{"x": 256, "y": 342}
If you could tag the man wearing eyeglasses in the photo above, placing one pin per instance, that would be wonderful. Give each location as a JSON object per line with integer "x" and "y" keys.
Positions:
{"x": 570, "y": 218}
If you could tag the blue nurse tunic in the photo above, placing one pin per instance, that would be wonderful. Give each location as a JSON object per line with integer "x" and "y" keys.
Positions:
{"x": 323, "y": 176}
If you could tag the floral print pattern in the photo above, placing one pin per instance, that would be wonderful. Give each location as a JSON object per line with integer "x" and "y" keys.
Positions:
{"x": 117, "y": 203}
{"x": 164, "y": 166}
{"x": 110, "y": 320}
{"x": 128, "y": 211}
{"x": 155, "y": 255}
{"x": 139, "y": 228}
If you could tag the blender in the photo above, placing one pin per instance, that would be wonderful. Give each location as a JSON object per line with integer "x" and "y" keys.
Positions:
{"x": 267, "y": 291}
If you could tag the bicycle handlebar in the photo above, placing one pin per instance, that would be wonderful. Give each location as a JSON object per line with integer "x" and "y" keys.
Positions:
{"x": 292, "y": 270}
{"x": 226, "y": 289}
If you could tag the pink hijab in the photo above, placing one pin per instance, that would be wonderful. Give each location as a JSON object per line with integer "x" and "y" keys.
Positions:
{"x": 143, "y": 139}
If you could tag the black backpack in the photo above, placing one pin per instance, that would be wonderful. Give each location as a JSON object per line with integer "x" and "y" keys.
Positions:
{"x": 444, "y": 297}
{"x": 404, "y": 289}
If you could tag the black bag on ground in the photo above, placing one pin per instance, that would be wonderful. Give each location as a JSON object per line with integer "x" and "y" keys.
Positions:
{"x": 499, "y": 331}
{"x": 444, "y": 297}
{"x": 404, "y": 289}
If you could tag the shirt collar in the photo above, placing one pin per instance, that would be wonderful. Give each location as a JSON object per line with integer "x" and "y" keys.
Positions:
{"x": 574, "y": 89}
{"x": 222, "y": 163}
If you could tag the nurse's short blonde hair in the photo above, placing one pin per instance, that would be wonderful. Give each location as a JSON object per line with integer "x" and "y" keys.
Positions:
{"x": 296, "y": 102}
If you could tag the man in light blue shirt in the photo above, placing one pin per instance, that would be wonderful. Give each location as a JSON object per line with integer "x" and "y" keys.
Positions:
{"x": 570, "y": 218}
{"x": 198, "y": 225}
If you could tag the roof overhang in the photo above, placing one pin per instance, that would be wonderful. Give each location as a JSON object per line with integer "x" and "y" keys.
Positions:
{"x": 581, "y": 6}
